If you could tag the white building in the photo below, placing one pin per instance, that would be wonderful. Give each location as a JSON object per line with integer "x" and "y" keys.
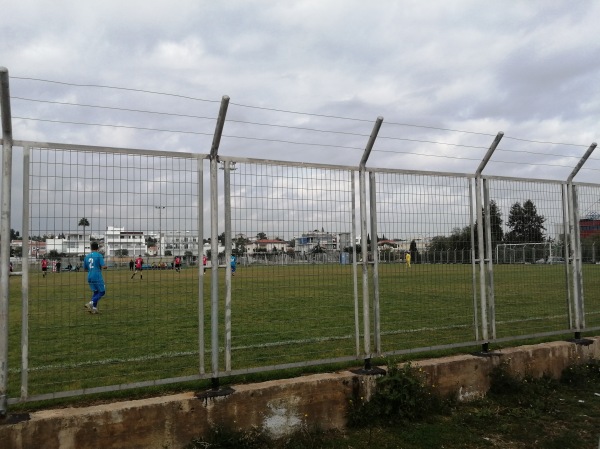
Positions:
{"x": 179, "y": 243}
{"x": 266, "y": 245}
{"x": 71, "y": 244}
{"x": 310, "y": 240}
{"x": 117, "y": 239}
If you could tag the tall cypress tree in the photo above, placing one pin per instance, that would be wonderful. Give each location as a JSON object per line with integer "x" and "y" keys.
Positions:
{"x": 527, "y": 226}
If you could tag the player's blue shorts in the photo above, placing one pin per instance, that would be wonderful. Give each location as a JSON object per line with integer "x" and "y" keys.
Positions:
{"x": 97, "y": 285}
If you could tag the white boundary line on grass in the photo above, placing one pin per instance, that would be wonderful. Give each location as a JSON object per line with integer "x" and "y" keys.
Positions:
{"x": 266, "y": 345}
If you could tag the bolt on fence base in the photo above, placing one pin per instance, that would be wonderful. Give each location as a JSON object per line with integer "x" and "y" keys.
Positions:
{"x": 368, "y": 369}
{"x": 215, "y": 390}
{"x": 578, "y": 340}
{"x": 14, "y": 418}
{"x": 485, "y": 351}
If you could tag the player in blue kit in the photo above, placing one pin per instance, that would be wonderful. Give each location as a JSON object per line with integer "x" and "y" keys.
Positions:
{"x": 93, "y": 264}
{"x": 233, "y": 264}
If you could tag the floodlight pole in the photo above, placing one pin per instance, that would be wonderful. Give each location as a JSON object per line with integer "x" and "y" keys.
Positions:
{"x": 7, "y": 144}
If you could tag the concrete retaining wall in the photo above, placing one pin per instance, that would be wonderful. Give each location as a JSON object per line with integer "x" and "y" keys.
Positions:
{"x": 278, "y": 407}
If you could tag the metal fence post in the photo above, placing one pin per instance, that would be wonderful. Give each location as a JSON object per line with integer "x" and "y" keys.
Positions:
{"x": 25, "y": 278}
{"x": 483, "y": 275}
{"x": 566, "y": 205}
{"x": 354, "y": 265}
{"x": 227, "y": 243}
{"x": 200, "y": 262}
{"x": 481, "y": 260}
{"x": 365, "y": 267}
{"x": 576, "y": 262}
{"x": 7, "y": 144}
{"x": 473, "y": 262}
{"x": 214, "y": 241}
{"x": 375, "y": 250}
{"x": 490, "y": 264}
{"x": 576, "y": 244}
{"x": 363, "y": 240}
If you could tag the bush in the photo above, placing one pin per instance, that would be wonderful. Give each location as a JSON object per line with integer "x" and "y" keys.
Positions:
{"x": 401, "y": 395}
{"x": 224, "y": 438}
{"x": 581, "y": 374}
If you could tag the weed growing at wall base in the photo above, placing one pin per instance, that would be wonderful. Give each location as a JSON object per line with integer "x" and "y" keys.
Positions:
{"x": 401, "y": 396}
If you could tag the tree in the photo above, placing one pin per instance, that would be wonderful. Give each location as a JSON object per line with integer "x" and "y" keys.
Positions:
{"x": 14, "y": 235}
{"x": 122, "y": 253}
{"x": 318, "y": 249}
{"x": 496, "y": 231}
{"x": 348, "y": 249}
{"x": 460, "y": 239}
{"x": 527, "y": 226}
{"x": 261, "y": 236}
{"x": 83, "y": 222}
{"x": 54, "y": 255}
{"x": 495, "y": 224}
{"x": 414, "y": 252}
{"x": 240, "y": 246}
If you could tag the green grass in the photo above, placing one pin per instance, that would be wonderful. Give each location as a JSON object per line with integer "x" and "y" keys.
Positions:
{"x": 148, "y": 329}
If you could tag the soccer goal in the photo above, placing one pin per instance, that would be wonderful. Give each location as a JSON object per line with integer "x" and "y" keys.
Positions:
{"x": 527, "y": 252}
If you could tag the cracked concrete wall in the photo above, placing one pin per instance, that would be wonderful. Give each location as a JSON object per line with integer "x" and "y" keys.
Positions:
{"x": 277, "y": 407}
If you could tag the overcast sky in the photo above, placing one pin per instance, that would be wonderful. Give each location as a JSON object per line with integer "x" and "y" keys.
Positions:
{"x": 527, "y": 68}
{"x": 308, "y": 79}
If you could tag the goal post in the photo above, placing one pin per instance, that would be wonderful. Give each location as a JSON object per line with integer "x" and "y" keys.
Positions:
{"x": 528, "y": 252}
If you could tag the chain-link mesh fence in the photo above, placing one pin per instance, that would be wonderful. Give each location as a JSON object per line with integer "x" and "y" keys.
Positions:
{"x": 426, "y": 278}
{"x": 295, "y": 289}
{"x": 530, "y": 278}
{"x": 136, "y": 206}
{"x": 589, "y": 207}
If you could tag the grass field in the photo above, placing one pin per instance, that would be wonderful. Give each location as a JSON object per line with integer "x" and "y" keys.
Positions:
{"x": 148, "y": 329}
